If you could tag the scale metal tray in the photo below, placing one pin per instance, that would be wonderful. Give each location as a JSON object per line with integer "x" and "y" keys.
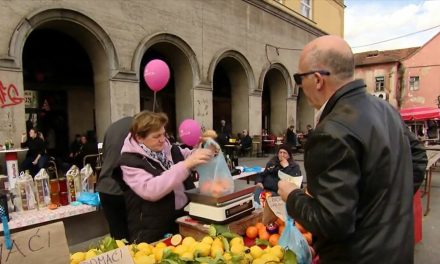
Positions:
{"x": 241, "y": 189}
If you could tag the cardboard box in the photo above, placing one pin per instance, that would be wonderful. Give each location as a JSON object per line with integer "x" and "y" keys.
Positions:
{"x": 275, "y": 208}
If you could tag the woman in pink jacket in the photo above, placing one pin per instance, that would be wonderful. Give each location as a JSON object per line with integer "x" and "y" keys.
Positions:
{"x": 155, "y": 176}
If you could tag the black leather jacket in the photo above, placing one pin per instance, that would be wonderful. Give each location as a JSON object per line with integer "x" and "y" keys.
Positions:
{"x": 360, "y": 177}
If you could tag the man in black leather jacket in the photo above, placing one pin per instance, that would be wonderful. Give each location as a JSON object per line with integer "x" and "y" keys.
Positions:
{"x": 358, "y": 164}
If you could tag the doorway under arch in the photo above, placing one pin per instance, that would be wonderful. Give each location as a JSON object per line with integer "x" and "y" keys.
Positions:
{"x": 176, "y": 99}
{"x": 91, "y": 37}
{"x": 58, "y": 72}
{"x": 274, "y": 102}
{"x": 231, "y": 95}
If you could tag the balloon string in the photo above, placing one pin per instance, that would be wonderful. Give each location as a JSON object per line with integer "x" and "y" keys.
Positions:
{"x": 154, "y": 101}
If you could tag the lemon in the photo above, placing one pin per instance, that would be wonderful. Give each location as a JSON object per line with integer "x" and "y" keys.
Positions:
{"x": 120, "y": 243}
{"x": 256, "y": 252}
{"x": 158, "y": 253}
{"x": 187, "y": 256}
{"x": 277, "y": 251}
{"x": 258, "y": 261}
{"x": 268, "y": 257}
{"x": 217, "y": 243}
{"x": 188, "y": 241}
{"x": 78, "y": 257}
{"x": 227, "y": 256}
{"x": 237, "y": 240}
{"x": 237, "y": 249}
{"x": 204, "y": 249}
{"x": 176, "y": 240}
{"x": 207, "y": 240}
{"x": 91, "y": 254}
{"x": 215, "y": 250}
{"x": 140, "y": 253}
{"x": 248, "y": 258}
{"x": 144, "y": 260}
{"x": 180, "y": 249}
{"x": 145, "y": 247}
{"x": 161, "y": 245}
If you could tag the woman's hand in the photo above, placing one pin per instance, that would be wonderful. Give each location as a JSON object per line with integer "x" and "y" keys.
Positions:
{"x": 36, "y": 159}
{"x": 199, "y": 156}
{"x": 283, "y": 162}
{"x": 259, "y": 184}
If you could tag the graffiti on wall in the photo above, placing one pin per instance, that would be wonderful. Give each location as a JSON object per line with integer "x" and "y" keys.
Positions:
{"x": 202, "y": 108}
{"x": 9, "y": 95}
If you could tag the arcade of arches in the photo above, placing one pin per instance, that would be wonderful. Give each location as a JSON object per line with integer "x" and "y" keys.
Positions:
{"x": 74, "y": 67}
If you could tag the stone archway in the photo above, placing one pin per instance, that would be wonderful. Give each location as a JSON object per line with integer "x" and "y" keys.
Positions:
{"x": 233, "y": 81}
{"x": 93, "y": 39}
{"x": 277, "y": 103}
{"x": 185, "y": 74}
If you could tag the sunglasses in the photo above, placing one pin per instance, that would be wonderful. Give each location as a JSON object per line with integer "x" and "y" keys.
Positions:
{"x": 298, "y": 77}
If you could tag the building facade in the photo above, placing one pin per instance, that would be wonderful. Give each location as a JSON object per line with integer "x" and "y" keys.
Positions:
{"x": 421, "y": 79}
{"x": 76, "y": 66}
{"x": 382, "y": 73}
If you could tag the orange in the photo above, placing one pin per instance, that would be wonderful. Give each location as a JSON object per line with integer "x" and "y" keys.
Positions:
{"x": 308, "y": 237}
{"x": 300, "y": 228}
{"x": 263, "y": 234}
{"x": 260, "y": 226}
{"x": 252, "y": 232}
{"x": 280, "y": 229}
{"x": 279, "y": 222}
{"x": 273, "y": 239}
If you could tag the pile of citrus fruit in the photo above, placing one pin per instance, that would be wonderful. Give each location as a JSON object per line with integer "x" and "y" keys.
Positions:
{"x": 209, "y": 250}
{"x": 270, "y": 233}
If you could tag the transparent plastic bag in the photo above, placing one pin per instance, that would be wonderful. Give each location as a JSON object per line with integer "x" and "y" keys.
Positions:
{"x": 292, "y": 239}
{"x": 215, "y": 179}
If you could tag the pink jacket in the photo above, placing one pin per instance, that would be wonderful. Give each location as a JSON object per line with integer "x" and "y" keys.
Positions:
{"x": 154, "y": 188}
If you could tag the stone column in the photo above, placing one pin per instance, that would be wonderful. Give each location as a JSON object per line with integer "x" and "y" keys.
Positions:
{"x": 203, "y": 105}
{"x": 291, "y": 115}
{"x": 255, "y": 114}
{"x": 12, "y": 105}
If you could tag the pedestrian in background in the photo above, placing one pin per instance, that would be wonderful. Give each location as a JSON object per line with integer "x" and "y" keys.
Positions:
{"x": 291, "y": 137}
{"x": 223, "y": 133}
{"x": 358, "y": 164}
{"x": 110, "y": 192}
{"x": 36, "y": 157}
{"x": 268, "y": 179}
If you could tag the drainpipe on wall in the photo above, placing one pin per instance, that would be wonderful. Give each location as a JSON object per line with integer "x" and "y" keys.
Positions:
{"x": 400, "y": 85}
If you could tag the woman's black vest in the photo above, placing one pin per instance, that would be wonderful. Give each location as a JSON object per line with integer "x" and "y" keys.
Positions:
{"x": 150, "y": 221}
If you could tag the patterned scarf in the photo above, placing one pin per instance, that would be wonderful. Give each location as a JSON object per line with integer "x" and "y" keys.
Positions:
{"x": 157, "y": 156}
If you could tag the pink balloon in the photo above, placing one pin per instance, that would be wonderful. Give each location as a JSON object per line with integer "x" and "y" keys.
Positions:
{"x": 156, "y": 74}
{"x": 190, "y": 132}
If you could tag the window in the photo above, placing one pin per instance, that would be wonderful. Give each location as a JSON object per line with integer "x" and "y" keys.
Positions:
{"x": 413, "y": 83}
{"x": 380, "y": 84}
{"x": 306, "y": 8}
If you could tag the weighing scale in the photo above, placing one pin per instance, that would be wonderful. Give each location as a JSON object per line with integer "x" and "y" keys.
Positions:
{"x": 224, "y": 209}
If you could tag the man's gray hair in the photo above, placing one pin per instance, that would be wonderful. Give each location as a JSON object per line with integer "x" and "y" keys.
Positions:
{"x": 339, "y": 64}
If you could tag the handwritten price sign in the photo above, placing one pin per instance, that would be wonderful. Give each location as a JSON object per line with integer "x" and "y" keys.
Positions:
{"x": 44, "y": 244}
{"x": 117, "y": 256}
